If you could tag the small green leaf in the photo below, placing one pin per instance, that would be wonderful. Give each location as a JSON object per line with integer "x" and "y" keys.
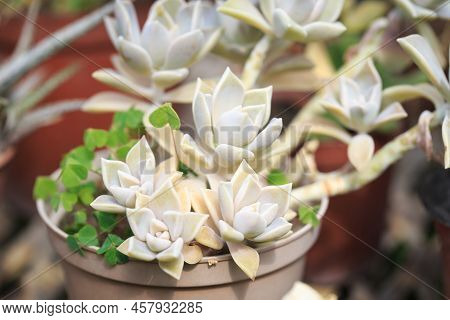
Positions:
{"x": 116, "y": 137}
{"x": 165, "y": 114}
{"x": 106, "y": 221}
{"x": 73, "y": 244}
{"x": 68, "y": 200}
{"x": 134, "y": 118}
{"x": 80, "y": 217}
{"x": 111, "y": 240}
{"x": 86, "y": 195}
{"x": 73, "y": 174}
{"x": 54, "y": 201}
{"x": 121, "y": 153}
{"x": 80, "y": 155}
{"x": 277, "y": 178}
{"x": 308, "y": 215}
{"x": 186, "y": 170}
{"x": 88, "y": 236}
{"x": 95, "y": 138}
{"x": 44, "y": 187}
{"x": 114, "y": 257}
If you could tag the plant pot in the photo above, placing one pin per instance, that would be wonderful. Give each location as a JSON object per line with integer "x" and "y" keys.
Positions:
{"x": 435, "y": 194}
{"x": 91, "y": 52}
{"x": 337, "y": 254}
{"x": 87, "y": 277}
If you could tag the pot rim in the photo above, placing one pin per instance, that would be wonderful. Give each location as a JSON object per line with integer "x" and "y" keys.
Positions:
{"x": 53, "y": 226}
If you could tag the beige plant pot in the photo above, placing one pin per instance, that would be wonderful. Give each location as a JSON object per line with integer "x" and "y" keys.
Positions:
{"x": 88, "y": 277}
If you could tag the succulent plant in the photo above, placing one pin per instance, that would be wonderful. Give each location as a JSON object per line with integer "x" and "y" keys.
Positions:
{"x": 294, "y": 20}
{"x": 229, "y": 123}
{"x": 427, "y": 60}
{"x": 158, "y": 211}
{"x": 425, "y": 9}
{"x": 175, "y": 36}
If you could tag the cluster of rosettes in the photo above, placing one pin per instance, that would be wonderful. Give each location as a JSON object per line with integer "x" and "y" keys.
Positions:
{"x": 174, "y": 217}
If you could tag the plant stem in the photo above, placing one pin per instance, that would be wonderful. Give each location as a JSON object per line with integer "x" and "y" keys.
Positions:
{"x": 255, "y": 62}
{"x": 336, "y": 185}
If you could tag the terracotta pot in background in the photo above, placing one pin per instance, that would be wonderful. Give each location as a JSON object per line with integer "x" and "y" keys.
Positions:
{"x": 337, "y": 254}
{"x": 88, "y": 277}
{"x": 41, "y": 152}
{"x": 435, "y": 194}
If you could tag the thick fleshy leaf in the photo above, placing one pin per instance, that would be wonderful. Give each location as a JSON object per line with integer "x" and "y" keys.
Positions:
{"x": 360, "y": 151}
{"x": 184, "y": 225}
{"x": 416, "y": 11}
{"x": 229, "y": 156}
{"x": 169, "y": 78}
{"x": 171, "y": 253}
{"x": 208, "y": 238}
{"x": 240, "y": 175}
{"x": 244, "y": 10}
{"x": 248, "y": 222}
{"x": 245, "y": 257}
{"x": 268, "y": 136}
{"x": 113, "y": 102}
{"x": 392, "y": 112}
{"x": 227, "y": 95}
{"x": 276, "y": 230}
{"x": 285, "y": 27}
{"x": 262, "y": 96}
{"x": 110, "y": 169}
{"x": 140, "y": 158}
{"x": 124, "y": 196}
{"x": 192, "y": 254}
{"x": 248, "y": 194}
{"x": 157, "y": 244}
{"x": 279, "y": 195}
{"x": 173, "y": 268}
{"x": 212, "y": 203}
{"x": 184, "y": 49}
{"x": 135, "y": 56}
{"x": 228, "y": 233}
{"x": 422, "y": 54}
{"x": 164, "y": 199}
{"x": 202, "y": 118}
{"x": 256, "y": 114}
{"x": 134, "y": 248}
{"x": 139, "y": 220}
{"x": 446, "y": 139}
{"x": 269, "y": 212}
{"x": 107, "y": 203}
{"x": 332, "y": 10}
{"x": 111, "y": 29}
{"x": 320, "y": 30}
{"x": 235, "y": 128}
{"x": 155, "y": 38}
{"x": 127, "y": 180}
{"x": 225, "y": 193}
{"x": 195, "y": 153}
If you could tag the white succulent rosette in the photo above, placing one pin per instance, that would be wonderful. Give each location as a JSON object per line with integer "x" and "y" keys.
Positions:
{"x": 175, "y": 35}
{"x": 247, "y": 213}
{"x": 294, "y": 20}
{"x": 158, "y": 208}
{"x": 427, "y": 60}
{"x": 137, "y": 177}
{"x": 357, "y": 103}
{"x": 425, "y": 9}
{"x": 232, "y": 125}
{"x": 237, "y": 39}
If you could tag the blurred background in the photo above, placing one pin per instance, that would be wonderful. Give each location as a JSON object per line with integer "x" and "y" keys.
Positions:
{"x": 390, "y": 230}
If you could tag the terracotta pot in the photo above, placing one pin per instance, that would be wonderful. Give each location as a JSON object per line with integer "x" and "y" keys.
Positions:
{"x": 88, "y": 277}
{"x": 337, "y": 254}
{"x": 93, "y": 51}
{"x": 435, "y": 194}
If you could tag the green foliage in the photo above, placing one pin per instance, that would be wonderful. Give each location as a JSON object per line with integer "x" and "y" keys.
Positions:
{"x": 391, "y": 79}
{"x": 121, "y": 152}
{"x": 44, "y": 188}
{"x": 86, "y": 193}
{"x": 68, "y": 200}
{"x": 74, "y": 244}
{"x": 109, "y": 250}
{"x": 308, "y": 215}
{"x": 95, "y": 138}
{"x": 163, "y": 115}
{"x": 277, "y": 178}
{"x": 87, "y": 236}
{"x": 106, "y": 221}
{"x": 186, "y": 170}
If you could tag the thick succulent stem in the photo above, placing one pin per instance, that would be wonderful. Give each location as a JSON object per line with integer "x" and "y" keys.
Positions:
{"x": 255, "y": 62}
{"x": 19, "y": 66}
{"x": 336, "y": 185}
